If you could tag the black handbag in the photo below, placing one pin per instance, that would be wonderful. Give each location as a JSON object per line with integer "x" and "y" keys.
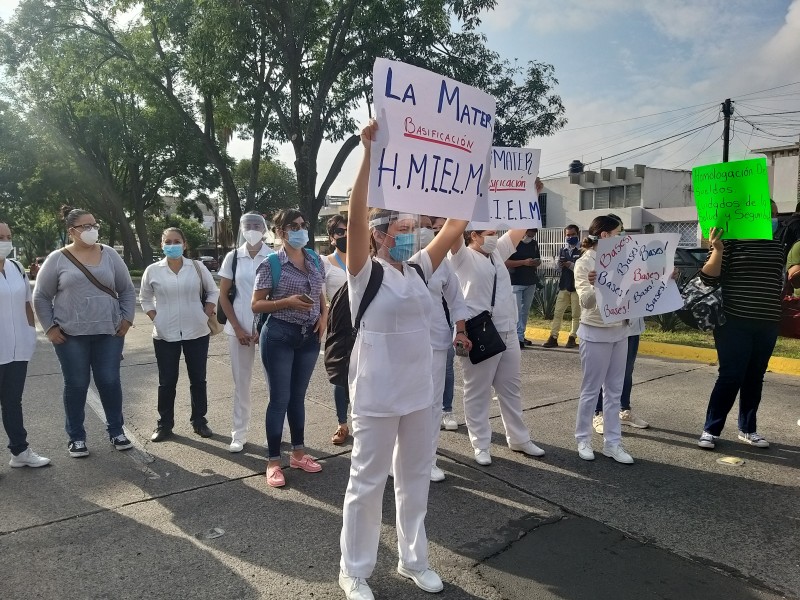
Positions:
{"x": 221, "y": 316}
{"x": 486, "y": 342}
{"x": 702, "y": 305}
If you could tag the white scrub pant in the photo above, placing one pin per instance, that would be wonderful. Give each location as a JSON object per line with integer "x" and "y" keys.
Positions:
{"x": 503, "y": 373}
{"x": 439, "y": 367}
{"x": 242, "y": 358}
{"x": 603, "y": 365}
{"x": 373, "y": 445}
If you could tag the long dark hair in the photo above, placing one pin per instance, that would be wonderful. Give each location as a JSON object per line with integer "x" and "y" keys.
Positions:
{"x": 606, "y": 224}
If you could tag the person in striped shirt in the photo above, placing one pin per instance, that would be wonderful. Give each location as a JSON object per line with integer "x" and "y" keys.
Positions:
{"x": 750, "y": 273}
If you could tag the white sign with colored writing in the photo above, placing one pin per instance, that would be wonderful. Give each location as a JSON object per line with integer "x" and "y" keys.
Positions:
{"x": 433, "y": 145}
{"x": 513, "y": 198}
{"x": 634, "y": 276}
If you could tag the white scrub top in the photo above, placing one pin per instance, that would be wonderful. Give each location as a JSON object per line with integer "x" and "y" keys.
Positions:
{"x": 335, "y": 276}
{"x": 476, "y": 274}
{"x": 444, "y": 284}
{"x": 391, "y": 370}
{"x": 245, "y": 278}
{"x": 17, "y": 337}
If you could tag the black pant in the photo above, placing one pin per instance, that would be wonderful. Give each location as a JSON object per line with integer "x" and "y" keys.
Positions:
{"x": 12, "y": 382}
{"x": 168, "y": 356}
{"x": 744, "y": 347}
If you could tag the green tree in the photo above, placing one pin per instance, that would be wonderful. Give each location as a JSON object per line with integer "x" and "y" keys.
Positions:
{"x": 275, "y": 188}
{"x": 196, "y": 234}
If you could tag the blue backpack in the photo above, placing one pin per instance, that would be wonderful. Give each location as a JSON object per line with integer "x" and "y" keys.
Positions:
{"x": 275, "y": 269}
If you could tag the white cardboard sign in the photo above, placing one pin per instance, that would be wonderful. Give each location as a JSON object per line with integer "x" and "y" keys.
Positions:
{"x": 513, "y": 199}
{"x": 634, "y": 276}
{"x": 432, "y": 149}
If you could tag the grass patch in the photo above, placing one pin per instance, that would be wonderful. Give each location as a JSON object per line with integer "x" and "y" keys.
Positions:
{"x": 683, "y": 336}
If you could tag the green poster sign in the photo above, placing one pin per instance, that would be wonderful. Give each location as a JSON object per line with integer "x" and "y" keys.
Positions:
{"x": 734, "y": 196}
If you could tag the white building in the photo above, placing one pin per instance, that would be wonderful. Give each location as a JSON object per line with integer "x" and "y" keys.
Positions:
{"x": 783, "y": 168}
{"x": 649, "y": 200}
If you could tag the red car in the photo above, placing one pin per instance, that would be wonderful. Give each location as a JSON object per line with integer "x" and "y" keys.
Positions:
{"x": 211, "y": 263}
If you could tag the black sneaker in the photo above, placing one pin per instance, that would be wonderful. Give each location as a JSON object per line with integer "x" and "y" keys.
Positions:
{"x": 121, "y": 442}
{"x": 203, "y": 430}
{"x": 78, "y": 449}
{"x": 571, "y": 342}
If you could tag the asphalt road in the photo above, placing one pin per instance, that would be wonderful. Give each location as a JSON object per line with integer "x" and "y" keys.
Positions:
{"x": 146, "y": 523}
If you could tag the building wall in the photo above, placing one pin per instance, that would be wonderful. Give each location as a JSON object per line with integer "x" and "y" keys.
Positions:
{"x": 784, "y": 183}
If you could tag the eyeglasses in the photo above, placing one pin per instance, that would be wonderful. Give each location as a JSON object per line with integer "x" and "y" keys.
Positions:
{"x": 87, "y": 227}
{"x": 340, "y": 231}
{"x": 296, "y": 226}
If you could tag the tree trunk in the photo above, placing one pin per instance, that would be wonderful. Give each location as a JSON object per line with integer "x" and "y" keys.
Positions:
{"x": 255, "y": 164}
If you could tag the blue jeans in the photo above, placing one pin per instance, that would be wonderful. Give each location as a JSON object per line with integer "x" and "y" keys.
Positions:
{"x": 289, "y": 352}
{"x": 341, "y": 396}
{"x": 449, "y": 381}
{"x": 100, "y": 354}
{"x": 12, "y": 383}
{"x": 744, "y": 347}
{"x": 627, "y": 385}
{"x": 523, "y": 294}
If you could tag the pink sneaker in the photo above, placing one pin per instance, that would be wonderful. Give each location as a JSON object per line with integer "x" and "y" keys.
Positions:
{"x": 307, "y": 464}
{"x": 275, "y": 477}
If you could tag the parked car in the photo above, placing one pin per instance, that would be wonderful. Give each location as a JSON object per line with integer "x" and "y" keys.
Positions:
{"x": 689, "y": 261}
{"x": 34, "y": 267}
{"x": 211, "y": 263}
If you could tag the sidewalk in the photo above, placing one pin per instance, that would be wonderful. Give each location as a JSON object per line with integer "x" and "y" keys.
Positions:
{"x": 777, "y": 364}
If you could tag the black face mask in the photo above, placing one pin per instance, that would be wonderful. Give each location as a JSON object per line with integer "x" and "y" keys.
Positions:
{"x": 341, "y": 244}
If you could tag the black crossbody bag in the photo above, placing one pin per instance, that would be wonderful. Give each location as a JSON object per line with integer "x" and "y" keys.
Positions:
{"x": 486, "y": 342}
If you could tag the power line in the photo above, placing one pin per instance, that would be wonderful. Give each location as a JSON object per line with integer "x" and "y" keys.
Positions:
{"x": 664, "y": 112}
{"x": 680, "y": 135}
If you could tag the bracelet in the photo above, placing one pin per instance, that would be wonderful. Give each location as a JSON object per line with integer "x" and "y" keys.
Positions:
{"x": 461, "y": 331}
{"x": 274, "y": 305}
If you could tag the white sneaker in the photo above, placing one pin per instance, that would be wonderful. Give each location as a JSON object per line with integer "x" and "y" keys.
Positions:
{"x": 754, "y": 439}
{"x": 626, "y": 417}
{"x": 236, "y": 446}
{"x": 528, "y": 448}
{"x": 585, "y": 450}
{"x": 28, "y": 458}
{"x": 355, "y": 588}
{"x": 706, "y": 441}
{"x": 436, "y": 473}
{"x": 449, "y": 422}
{"x": 426, "y": 580}
{"x": 482, "y": 457}
{"x": 597, "y": 423}
{"x": 617, "y": 452}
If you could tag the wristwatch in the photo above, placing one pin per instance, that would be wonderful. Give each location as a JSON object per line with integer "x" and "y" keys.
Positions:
{"x": 461, "y": 331}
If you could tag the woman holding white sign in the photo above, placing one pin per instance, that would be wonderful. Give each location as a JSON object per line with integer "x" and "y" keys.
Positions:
{"x": 603, "y": 349}
{"x": 391, "y": 386}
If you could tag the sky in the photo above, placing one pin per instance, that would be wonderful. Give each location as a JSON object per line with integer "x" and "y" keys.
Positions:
{"x": 632, "y": 72}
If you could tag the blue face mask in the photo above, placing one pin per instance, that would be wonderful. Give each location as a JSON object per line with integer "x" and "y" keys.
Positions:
{"x": 573, "y": 240}
{"x": 403, "y": 247}
{"x": 297, "y": 239}
{"x": 173, "y": 250}
{"x": 774, "y": 224}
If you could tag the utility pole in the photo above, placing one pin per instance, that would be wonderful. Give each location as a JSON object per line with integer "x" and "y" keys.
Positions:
{"x": 727, "y": 112}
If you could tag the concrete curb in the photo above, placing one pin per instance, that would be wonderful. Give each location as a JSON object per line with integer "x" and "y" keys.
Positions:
{"x": 777, "y": 364}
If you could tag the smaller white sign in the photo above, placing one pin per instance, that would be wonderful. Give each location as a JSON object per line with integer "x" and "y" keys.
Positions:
{"x": 634, "y": 276}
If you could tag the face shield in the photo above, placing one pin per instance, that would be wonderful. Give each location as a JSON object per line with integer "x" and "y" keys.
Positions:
{"x": 252, "y": 230}
{"x": 396, "y": 236}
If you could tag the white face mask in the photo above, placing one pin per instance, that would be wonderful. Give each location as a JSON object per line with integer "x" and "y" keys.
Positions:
{"x": 425, "y": 236}
{"x": 5, "y": 249}
{"x": 90, "y": 237}
{"x": 253, "y": 236}
{"x": 489, "y": 243}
